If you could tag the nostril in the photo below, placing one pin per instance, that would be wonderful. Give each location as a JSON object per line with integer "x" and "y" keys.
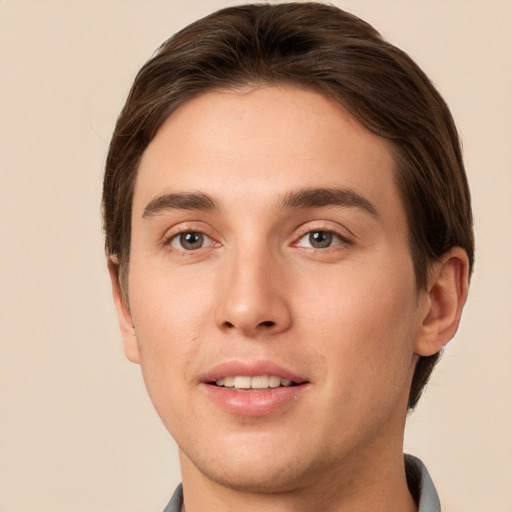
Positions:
{"x": 267, "y": 324}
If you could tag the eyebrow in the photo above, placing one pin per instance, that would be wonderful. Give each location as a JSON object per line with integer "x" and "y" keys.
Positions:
{"x": 302, "y": 198}
{"x": 321, "y": 197}
{"x": 180, "y": 201}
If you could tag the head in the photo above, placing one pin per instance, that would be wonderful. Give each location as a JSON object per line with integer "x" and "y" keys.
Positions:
{"x": 322, "y": 49}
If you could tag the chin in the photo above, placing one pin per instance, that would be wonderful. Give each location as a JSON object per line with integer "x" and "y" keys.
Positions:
{"x": 262, "y": 480}
{"x": 255, "y": 470}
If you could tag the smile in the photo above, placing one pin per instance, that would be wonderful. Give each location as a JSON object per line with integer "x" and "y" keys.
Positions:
{"x": 253, "y": 388}
{"x": 259, "y": 382}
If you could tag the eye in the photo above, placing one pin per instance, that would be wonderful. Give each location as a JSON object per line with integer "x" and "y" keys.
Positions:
{"x": 190, "y": 241}
{"x": 320, "y": 239}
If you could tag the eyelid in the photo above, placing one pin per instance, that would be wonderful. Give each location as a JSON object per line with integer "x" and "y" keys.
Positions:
{"x": 345, "y": 235}
{"x": 177, "y": 236}
{"x": 336, "y": 241}
{"x": 187, "y": 227}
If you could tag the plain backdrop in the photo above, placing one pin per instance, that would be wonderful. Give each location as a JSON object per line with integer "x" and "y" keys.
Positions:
{"x": 77, "y": 431}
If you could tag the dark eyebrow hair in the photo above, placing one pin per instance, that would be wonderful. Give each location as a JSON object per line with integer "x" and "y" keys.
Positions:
{"x": 319, "y": 197}
{"x": 180, "y": 201}
{"x": 302, "y": 198}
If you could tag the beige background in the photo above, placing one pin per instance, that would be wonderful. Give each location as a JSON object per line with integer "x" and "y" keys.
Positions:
{"x": 77, "y": 431}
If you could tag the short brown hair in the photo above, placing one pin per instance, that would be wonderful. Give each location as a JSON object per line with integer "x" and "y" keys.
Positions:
{"x": 323, "y": 48}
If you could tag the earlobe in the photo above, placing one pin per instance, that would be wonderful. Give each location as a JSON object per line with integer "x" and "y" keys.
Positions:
{"x": 123, "y": 313}
{"x": 446, "y": 294}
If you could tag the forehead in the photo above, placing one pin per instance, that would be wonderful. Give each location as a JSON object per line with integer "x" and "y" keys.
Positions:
{"x": 261, "y": 142}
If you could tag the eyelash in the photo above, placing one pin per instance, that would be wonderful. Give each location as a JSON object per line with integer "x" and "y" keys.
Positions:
{"x": 342, "y": 239}
{"x": 176, "y": 237}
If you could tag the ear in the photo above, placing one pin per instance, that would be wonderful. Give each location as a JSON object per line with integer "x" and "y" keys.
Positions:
{"x": 131, "y": 348}
{"x": 446, "y": 294}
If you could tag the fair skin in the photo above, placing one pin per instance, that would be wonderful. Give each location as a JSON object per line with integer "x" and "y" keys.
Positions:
{"x": 269, "y": 239}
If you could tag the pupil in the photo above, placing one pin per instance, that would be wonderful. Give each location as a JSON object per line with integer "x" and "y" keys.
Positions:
{"x": 191, "y": 240}
{"x": 320, "y": 239}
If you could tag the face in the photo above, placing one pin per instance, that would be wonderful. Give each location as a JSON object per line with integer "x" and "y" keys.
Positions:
{"x": 271, "y": 288}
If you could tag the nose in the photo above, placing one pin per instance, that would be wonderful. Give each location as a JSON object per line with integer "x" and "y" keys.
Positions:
{"x": 252, "y": 295}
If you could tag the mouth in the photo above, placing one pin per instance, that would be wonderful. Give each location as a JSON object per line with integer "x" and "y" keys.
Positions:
{"x": 253, "y": 383}
{"x": 254, "y": 389}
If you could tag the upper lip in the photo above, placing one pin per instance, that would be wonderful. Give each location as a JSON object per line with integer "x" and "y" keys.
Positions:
{"x": 251, "y": 369}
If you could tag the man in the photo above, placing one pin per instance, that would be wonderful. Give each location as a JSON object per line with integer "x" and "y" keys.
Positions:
{"x": 289, "y": 236}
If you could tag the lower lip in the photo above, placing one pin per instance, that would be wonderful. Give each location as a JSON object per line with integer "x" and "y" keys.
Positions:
{"x": 253, "y": 403}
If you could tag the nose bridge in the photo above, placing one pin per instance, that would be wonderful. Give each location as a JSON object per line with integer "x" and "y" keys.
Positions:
{"x": 252, "y": 298}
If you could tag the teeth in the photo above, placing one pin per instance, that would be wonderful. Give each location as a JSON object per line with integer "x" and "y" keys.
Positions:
{"x": 242, "y": 382}
{"x": 274, "y": 382}
{"x": 228, "y": 382}
{"x": 258, "y": 382}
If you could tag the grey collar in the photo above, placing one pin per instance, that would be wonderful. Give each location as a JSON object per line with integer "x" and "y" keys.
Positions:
{"x": 419, "y": 482}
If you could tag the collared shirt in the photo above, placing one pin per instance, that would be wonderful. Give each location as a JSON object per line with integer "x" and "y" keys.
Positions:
{"x": 418, "y": 479}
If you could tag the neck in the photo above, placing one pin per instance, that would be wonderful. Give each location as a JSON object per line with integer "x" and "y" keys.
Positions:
{"x": 355, "y": 486}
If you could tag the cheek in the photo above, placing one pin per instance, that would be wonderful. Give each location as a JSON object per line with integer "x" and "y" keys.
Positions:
{"x": 169, "y": 314}
{"x": 168, "y": 322}
{"x": 364, "y": 321}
